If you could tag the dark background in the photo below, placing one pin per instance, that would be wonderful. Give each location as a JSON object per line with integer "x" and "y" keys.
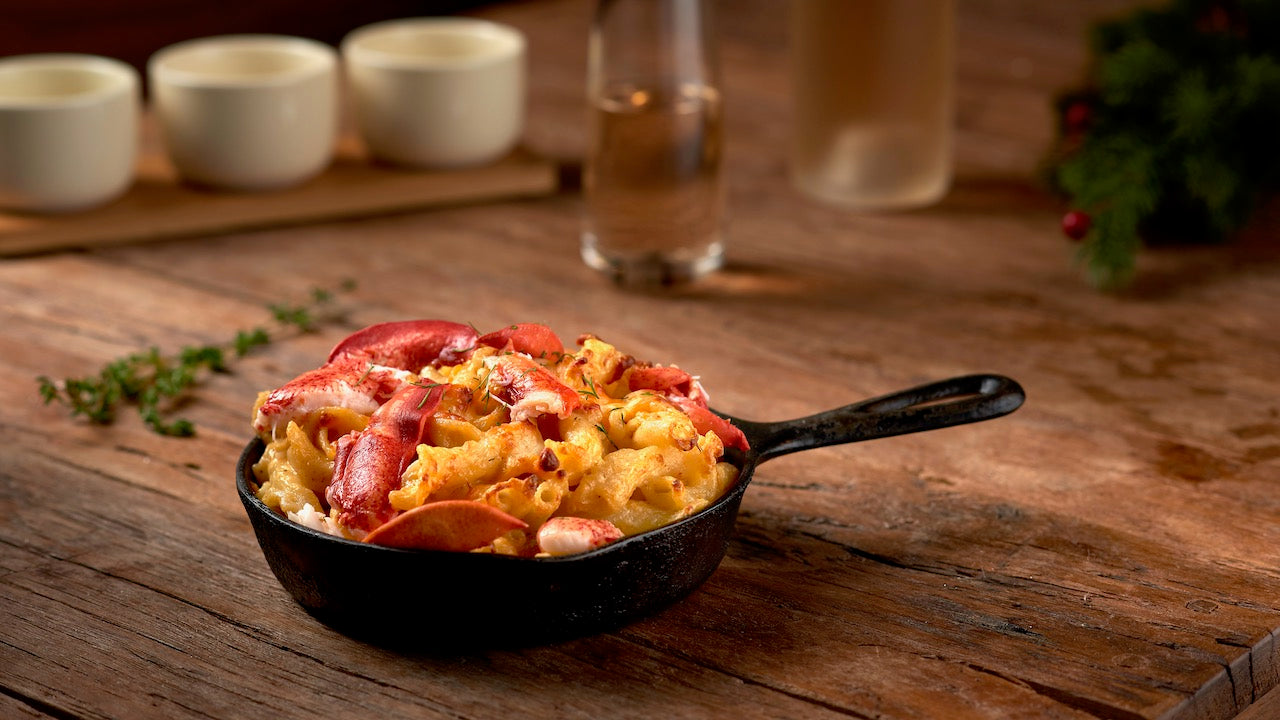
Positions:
{"x": 130, "y": 30}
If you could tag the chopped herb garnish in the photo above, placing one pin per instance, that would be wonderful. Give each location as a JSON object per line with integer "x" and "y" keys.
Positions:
{"x": 484, "y": 382}
{"x": 428, "y": 387}
{"x": 365, "y": 376}
{"x": 606, "y": 436}
{"x": 247, "y": 340}
{"x": 148, "y": 378}
{"x": 297, "y": 315}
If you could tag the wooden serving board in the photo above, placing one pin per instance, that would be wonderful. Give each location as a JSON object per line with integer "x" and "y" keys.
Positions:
{"x": 160, "y": 206}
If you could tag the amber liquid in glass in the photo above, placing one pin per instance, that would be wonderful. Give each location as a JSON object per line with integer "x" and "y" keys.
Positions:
{"x": 653, "y": 185}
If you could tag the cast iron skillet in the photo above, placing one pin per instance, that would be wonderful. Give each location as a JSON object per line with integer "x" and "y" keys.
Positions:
{"x": 443, "y": 600}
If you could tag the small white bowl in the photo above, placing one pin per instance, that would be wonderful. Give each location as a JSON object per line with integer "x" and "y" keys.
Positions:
{"x": 437, "y": 91}
{"x": 247, "y": 112}
{"x": 68, "y": 131}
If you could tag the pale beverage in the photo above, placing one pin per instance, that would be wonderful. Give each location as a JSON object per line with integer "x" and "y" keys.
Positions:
{"x": 873, "y": 96}
{"x": 653, "y": 192}
{"x": 653, "y": 185}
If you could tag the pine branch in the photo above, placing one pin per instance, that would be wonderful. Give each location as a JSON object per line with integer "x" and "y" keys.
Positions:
{"x": 1174, "y": 135}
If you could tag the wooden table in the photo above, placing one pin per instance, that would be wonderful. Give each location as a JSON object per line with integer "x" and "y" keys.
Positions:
{"x": 1111, "y": 550}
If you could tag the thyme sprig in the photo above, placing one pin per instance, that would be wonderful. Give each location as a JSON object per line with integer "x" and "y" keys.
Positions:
{"x": 428, "y": 386}
{"x": 156, "y": 383}
{"x": 484, "y": 383}
{"x": 605, "y": 433}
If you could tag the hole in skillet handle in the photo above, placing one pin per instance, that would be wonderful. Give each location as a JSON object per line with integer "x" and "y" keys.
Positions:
{"x": 936, "y": 405}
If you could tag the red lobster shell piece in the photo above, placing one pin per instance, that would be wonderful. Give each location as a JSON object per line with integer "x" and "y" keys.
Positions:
{"x": 369, "y": 463}
{"x": 529, "y": 389}
{"x": 529, "y": 338}
{"x": 453, "y": 525}
{"x": 409, "y": 344}
{"x": 685, "y": 392}
{"x": 666, "y": 381}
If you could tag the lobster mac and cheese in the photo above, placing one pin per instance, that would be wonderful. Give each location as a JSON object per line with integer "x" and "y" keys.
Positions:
{"x": 428, "y": 434}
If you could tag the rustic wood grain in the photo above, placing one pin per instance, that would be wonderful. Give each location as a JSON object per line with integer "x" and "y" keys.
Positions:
{"x": 1267, "y": 706}
{"x": 1108, "y": 551}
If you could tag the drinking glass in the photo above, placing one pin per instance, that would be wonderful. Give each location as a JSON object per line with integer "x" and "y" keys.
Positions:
{"x": 653, "y": 181}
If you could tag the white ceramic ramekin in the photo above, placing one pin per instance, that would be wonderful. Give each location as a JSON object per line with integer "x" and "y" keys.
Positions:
{"x": 247, "y": 112}
{"x": 68, "y": 131}
{"x": 437, "y": 91}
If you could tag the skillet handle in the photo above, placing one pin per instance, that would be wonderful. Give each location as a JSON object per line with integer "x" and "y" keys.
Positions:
{"x": 946, "y": 403}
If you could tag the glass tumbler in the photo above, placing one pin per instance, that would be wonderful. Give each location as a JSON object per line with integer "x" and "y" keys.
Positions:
{"x": 652, "y": 177}
{"x": 873, "y": 96}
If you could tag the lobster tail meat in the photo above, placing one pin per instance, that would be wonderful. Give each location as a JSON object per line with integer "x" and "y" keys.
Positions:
{"x": 369, "y": 463}
{"x": 348, "y": 383}
{"x": 572, "y": 535}
{"x": 529, "y": 389}
{"x": 366, "y": 368}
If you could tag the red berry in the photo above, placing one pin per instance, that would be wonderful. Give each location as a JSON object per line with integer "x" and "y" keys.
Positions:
{"x": 1216, "y": 20}
{"x": 1075, "y": 224}
{"x": 1077, "y": 116}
